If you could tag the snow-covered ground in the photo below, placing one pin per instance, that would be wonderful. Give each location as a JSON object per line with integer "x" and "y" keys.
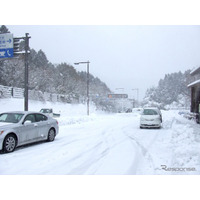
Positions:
{"x": 106, "y": 144}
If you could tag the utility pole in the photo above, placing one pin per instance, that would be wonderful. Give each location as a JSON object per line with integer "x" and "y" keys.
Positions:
{"x": 88, "y": 98}
{"x": 26, "y": 39}
{"x": 137, "y": 95}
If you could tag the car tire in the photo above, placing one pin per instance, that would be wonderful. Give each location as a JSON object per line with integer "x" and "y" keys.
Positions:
{"x": 51, "y": 135}
{"x": 9, "y": 144}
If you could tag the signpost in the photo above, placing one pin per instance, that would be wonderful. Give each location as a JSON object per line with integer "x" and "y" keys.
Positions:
{"x": 6, "y": 45}
{"x": 9, "y": 47}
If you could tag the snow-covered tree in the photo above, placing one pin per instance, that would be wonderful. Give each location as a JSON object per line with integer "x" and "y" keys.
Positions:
{"x": 169, "y": 90}
{"x": 4, "y": 29}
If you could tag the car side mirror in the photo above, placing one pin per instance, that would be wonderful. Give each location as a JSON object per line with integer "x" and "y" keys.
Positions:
{"x": 27, "y": 122}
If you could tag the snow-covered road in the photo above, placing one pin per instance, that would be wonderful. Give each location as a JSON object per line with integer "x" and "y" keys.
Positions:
{"x": 111, "y": 144}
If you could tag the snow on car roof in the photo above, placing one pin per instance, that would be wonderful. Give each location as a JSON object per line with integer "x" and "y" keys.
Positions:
{"x": 21, "y": 112}
{"x": 151, "y": 108}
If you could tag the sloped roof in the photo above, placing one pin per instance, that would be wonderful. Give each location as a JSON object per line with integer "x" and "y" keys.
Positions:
{"x": 194, "y": 83}
{"x": 195, "y": 71}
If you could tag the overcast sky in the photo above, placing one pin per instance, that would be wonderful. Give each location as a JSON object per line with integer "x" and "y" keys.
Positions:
{"x": 126, "y": 57}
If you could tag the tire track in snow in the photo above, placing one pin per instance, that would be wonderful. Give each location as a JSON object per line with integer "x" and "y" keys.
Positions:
{"x": 90, "y": 160}
{"x": 146, "y": 156}
{"x": 95, "y": 154}
{"x": 112, "y": 139}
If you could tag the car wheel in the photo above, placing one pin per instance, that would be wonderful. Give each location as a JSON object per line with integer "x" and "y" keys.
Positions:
{"x": 51, "y": 135}
{"x": 9, "y": 144}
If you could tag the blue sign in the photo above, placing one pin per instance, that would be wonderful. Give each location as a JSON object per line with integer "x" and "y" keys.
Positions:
{"x": 6, "y": 53}
{"x": 6, "y": 45}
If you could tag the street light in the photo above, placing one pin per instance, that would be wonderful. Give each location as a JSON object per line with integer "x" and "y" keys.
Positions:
{"x": 137, "y": 94}
{"x": 87, "y": 83}
{"x": 122, "y": 100}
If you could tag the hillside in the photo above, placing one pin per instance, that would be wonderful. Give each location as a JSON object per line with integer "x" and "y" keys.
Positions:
{"x": 171, "y": 92}
{"x": 44, "y": 76}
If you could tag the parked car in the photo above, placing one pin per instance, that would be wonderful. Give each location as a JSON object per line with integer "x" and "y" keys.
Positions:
{"x": 151, "y": 117}
{"x": 189, "y": 115}
{"x": 19, "y": 128}
{"x": 49, "y": 111}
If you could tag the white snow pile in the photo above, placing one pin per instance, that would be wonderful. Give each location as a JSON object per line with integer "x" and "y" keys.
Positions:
{"x": 183, "y": 102}
{"x": 69, "y": 113}
{"x": 186, "y": 144}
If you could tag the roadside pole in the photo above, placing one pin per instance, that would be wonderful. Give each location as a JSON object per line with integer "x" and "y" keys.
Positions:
{"x": 26, "y": 39}
{"x": 9, "y": 49}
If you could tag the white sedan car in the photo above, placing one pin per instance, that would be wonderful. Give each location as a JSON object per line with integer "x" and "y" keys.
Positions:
{"x": 19, "y": 128}
{"x": 151, "y": 117}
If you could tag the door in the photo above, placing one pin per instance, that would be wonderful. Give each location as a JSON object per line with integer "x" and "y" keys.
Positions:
{"x": 43, "y": 126}
{"x": 29, "y": 130}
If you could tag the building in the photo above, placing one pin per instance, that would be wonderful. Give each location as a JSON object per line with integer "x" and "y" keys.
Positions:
{"x": 195, "y": 93}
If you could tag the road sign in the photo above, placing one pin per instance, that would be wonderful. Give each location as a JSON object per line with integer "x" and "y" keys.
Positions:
{"x": 6, "y": 45}
{"x": 117, "y": 96}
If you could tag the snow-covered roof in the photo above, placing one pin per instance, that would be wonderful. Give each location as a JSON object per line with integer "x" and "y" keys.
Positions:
{"x": 194, "y": 83}
{"x": 195, "y": 70}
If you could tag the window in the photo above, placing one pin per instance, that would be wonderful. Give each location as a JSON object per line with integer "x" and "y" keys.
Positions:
{"x": 10, "y": 117}
{"x": 40, "y": 117}
{"x": 30, "y": 117}
{"x": 46, "y": 111}
{"x": 150, "y": 112}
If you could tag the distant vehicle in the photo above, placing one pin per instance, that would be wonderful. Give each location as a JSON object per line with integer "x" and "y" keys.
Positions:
{"x": 49, "y": 111}
{"x": 129, "y": 110}
{"x": 137, "y": 110}
{"x": 151, "y": 117}
{"x": 19, "y": 128}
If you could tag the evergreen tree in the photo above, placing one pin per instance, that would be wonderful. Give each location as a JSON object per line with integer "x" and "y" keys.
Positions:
{"x": 169, "y": 89}
{"x": 4, "y": 29}
{"x": 46, "y": 77}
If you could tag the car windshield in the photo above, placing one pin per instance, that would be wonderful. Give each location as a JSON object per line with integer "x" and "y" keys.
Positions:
{"x": 150, "y": 112}
{"x": 45, "y": 110}
{"x": 11, "y": 117}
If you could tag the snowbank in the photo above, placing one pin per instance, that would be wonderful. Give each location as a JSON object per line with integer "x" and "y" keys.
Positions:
{"x": 14, "y": 104}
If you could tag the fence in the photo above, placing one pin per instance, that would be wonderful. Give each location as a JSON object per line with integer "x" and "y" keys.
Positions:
{"x": 17, "y": 92}
{"x": 8, "y": 92}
